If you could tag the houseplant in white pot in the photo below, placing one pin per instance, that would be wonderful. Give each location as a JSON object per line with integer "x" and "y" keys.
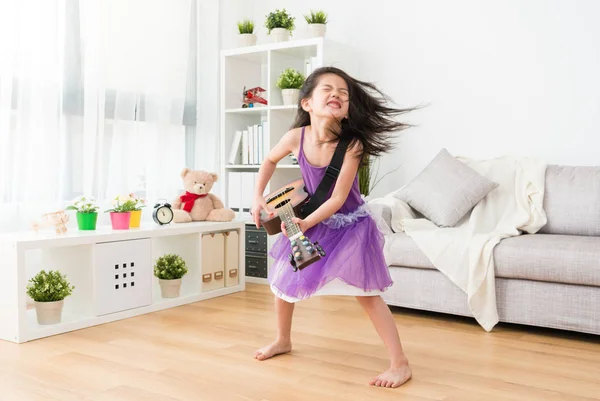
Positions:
{"x": 169, "y": 269}
{"x": 246, "y": 37}
{"x": 290, "y": 81}
{"x": 48, "y": 291}
{"x": 280, "y": 24}
{"x": 317, "y": 23}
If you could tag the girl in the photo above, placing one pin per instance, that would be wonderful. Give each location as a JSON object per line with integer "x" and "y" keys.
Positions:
{"x": 354, "y": 263}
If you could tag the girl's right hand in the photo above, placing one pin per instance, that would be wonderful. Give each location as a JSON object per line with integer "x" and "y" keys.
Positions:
{"x": 258, "y": 205}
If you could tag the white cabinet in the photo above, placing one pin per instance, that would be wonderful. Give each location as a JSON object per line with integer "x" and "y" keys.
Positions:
{"x": 122, "y": 275}
{"x": 113, "y": 272}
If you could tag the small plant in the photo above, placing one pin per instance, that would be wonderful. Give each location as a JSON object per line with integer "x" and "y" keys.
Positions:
{"x": 170, "y": 267}
{"x": 245, "y": 26}
{"x": 49, "y": 286}
{"x": 280, "y": 19}
{"x": 84, "y": 204}
{"x": 121, "y": 204}
{"x": 290, "y": 78}
{"x": 316, "y": 17}
{"x": 139, "y": 202}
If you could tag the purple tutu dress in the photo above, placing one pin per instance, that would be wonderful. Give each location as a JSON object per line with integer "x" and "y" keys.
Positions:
{"x": 354, "y": 263}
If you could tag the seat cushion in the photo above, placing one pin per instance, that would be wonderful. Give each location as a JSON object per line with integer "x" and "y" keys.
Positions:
{"x": 401, "y": 250}
{"x": 572, "y": 200}
{"x": 552, "y": 258}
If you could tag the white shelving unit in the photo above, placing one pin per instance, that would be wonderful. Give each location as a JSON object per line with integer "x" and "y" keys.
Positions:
{"x": 261, "y": 66}
{"x": 99, "y": 263}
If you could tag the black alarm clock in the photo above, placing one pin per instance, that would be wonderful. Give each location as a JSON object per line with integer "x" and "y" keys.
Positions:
{"x": 162, "y": 214}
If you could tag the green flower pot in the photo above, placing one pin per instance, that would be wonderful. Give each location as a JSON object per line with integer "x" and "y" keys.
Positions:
{"x": 87, "y": 221}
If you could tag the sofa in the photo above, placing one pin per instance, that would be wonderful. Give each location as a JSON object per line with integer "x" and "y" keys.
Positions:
{"x": 548, "y": 279}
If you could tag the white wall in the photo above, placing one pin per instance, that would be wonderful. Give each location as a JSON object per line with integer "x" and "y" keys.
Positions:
{"x": 515, "y": 76}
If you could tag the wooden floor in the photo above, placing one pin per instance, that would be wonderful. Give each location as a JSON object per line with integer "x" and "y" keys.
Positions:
{"x": 204, "y": 351}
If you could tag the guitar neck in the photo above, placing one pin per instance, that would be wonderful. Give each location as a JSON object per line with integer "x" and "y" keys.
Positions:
{"x": 286, "y": 214}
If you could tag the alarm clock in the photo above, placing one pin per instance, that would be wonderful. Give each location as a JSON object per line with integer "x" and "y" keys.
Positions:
{"x": 162, "y": 214}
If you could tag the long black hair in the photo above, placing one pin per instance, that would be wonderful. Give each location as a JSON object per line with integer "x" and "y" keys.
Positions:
{"x": 370, "y": 121}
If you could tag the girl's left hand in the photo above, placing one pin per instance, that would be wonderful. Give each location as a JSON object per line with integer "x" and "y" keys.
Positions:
{"x": 301, "y": 223}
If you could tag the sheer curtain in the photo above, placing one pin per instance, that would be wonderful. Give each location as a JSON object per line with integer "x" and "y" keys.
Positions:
{"x": 96, "y": 98}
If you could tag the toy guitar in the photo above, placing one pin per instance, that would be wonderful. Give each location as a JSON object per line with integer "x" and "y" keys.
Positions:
{"x": 287, "y": 202}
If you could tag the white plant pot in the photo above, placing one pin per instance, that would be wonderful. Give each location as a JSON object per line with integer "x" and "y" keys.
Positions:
{"x": 290, "y": 96}
{"x": 317, "y": 30}
{"x": 49, "y": 312}
{"x": 280, "y": 34}
{"x": 170, "y": 288}
{"x": 246, "y": 39}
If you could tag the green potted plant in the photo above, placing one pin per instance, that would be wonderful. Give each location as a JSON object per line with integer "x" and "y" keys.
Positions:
{"x": 317, "y": 23}
{"x": 290, "y": 81}
{"x": 281, "y": 24}
{"x": 169, "y": 269}
{"x": 120, "y": 213}
{"x": 48, "y": 290}
{"x": 246, "y": 33}
{"x": 87, "y": 212}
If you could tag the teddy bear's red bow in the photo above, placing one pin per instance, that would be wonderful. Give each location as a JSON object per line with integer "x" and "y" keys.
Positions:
{"x": 188, "y": 200}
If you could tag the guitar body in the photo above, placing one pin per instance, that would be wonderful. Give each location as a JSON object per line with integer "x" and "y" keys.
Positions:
{"x": 292, "y": 193}
{"x": 287, "y": 202}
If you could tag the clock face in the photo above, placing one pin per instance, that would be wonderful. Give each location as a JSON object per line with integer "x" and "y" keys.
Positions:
{"x": 164, "y": 215}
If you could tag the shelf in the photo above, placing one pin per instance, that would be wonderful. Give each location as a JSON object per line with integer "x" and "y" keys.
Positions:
{"x": 257, "y": 166}
{"x": 249, "y": 110}
{"x": 260, "y": 109}
{"x": 72, "y": 322}
{"x": 254, "y": 53}
{"x": 47, "y": 238}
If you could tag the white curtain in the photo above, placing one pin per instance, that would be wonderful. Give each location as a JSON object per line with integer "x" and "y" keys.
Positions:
{"x": 96, "y": 98}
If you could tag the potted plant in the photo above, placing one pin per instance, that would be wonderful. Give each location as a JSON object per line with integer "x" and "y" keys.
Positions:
{"x": 169, "y": 269}
{"x": 290, "y": 81}
{"x": 246, "y": 30}
{"x": 136, "y": 213}
{"x": 317, "y": 23}
{"x": 87, "y": 212}
{"x": 281, "y": 24}
{"x": 48, "y": 290}
{"x": 120, "y": 213}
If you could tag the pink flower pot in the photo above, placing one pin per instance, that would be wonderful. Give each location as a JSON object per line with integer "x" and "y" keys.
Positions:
{"x": 120, "y": 221}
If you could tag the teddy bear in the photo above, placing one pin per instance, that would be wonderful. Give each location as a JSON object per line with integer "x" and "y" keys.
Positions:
{"x": 197, "y": 203}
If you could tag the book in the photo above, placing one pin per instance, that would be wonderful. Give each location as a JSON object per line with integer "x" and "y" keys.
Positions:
{"x": 234, "y": 152}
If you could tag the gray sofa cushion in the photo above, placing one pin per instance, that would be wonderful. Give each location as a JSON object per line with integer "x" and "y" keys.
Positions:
{"x": 446, "y": 190}
{"x": 401, "y": 250}
{"x": 572, "y": 200}
{"x": 552, "y": 258}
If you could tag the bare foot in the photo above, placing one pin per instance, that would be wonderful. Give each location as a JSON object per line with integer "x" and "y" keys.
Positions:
{"x": 393, "y": 377}
{"x": 273, "y": 349}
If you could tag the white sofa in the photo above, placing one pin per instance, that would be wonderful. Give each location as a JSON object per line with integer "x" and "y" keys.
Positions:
{"x": 549, "y": 279}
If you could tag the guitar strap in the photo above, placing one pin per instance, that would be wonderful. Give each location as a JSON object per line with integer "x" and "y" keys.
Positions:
{"x": 328, "y": 179}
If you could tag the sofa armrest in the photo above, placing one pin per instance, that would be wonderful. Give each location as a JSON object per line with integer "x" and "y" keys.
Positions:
{"x": 382, "y": 214}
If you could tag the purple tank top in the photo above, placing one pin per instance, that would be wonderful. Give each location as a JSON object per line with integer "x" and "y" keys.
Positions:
{"x": 312, "y": 176}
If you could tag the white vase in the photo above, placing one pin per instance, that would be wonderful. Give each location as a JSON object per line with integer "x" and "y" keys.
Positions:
{"x": 170, "y": 288}
{"x": 290, "y": 96}
{"x": 246, "y": 39}
{"x": 280, "y": 34}
{"x": 49, "y": 312}
{"x": 317, "y": 30}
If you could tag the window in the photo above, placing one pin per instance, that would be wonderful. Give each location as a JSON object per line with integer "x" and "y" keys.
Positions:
{"x": 96, "y": 98}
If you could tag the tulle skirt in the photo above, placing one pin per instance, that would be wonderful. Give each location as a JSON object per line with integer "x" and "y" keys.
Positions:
{"x": 353, "y": 264}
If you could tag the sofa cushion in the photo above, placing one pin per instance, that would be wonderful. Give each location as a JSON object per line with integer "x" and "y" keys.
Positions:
{"x": 401, "y": 250}
{"x": 572, "y": 200}
{"x": 446, "y": 190}
{"x": 552, "y": 258}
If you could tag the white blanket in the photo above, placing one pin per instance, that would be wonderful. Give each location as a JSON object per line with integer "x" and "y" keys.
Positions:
{"x": 464, "y": 253}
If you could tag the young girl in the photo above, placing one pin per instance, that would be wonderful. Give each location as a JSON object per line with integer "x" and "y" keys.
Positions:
{"x": 354, "y": 263}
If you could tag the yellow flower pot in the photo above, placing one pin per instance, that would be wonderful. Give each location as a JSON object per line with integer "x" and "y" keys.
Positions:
{"x": 136, "y": 217}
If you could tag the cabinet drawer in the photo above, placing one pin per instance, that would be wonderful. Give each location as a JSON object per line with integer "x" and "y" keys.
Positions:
{"x": 256, "y": 265}
{"x": 256, "y": 241}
